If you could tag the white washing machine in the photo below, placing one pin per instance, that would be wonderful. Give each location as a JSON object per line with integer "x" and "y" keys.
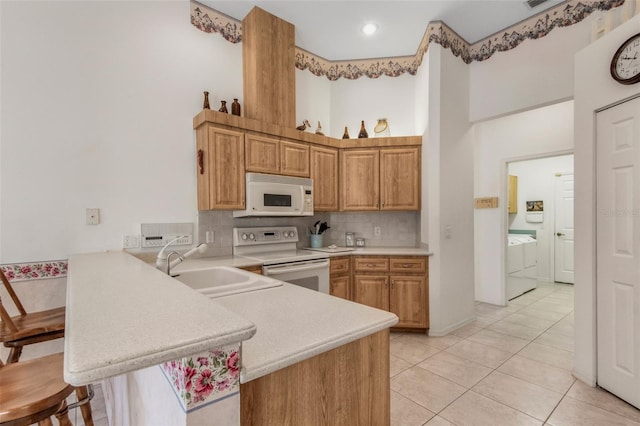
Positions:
{"x": 522, "y": 265}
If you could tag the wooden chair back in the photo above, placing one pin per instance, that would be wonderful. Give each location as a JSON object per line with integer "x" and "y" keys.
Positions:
{"x": 27, "y": 328}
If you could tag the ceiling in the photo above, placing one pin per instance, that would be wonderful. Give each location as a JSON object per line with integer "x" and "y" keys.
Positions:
{"x": 331, "y": 29}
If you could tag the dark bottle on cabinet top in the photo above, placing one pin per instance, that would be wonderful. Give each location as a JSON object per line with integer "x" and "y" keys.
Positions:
{"x": 363, "y": 132}
{"x": 235, "y": 107}
{"x": 223, "y": 108}
{"x": 206, "y": 101}
{"x": 345, "y": 135}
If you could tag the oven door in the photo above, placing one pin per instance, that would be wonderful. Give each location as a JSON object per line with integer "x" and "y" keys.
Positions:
{"x": 311, "y": 274}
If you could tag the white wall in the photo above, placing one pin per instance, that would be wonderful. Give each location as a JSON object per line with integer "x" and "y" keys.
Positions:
{"x": 369, "y": 99}
{"x": 594, "y": 90}
{"x": 538, "y": 72}
{"x": 537, "y": 181}
{"x": 449, "y": 177}
{"x": 537, "y": 133}
{"x": 97, "y": 107}
{"x": 313, "y": 99}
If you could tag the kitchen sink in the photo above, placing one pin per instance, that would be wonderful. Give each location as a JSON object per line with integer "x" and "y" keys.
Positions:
{"x": 224, "y": 281}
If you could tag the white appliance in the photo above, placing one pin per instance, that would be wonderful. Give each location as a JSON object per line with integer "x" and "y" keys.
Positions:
{"x": 276, "y": 248}
{"x": 522, "y": 265}
{"x": 273, "y": 195}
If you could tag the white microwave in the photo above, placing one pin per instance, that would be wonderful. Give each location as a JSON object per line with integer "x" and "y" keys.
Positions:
{"x": 273, "y": 195}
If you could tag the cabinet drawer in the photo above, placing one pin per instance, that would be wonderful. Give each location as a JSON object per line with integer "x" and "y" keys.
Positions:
{"x": 339, "y": 265}
{"x": 418, "y": 265}
{"x": 371, "y": 264}
{"x": 256, "y": 269}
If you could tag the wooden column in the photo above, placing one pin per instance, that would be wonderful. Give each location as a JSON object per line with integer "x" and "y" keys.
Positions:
{"x": 268, "y": 58}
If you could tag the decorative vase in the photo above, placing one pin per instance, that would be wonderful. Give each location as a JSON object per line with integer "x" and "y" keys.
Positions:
{"x": 345, "y": 135}
{"x": 235, "y": 107}
{"x": 316, "y": 240}
{"x": 223, "y": 108}
{"x": 382, "y": 128}
{"x": 206, "y": 101}
{"x": 319, "y": 130}
{"x": 363, "y": 132}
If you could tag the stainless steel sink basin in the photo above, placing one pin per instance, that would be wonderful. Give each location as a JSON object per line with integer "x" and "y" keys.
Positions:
{"x": 224, "y": 281}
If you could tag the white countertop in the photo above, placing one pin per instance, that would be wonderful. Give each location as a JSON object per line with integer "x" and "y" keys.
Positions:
{"x": 295, "y": 323}
{"x": 123, "y": 315}
{"x": 195, "y": 264}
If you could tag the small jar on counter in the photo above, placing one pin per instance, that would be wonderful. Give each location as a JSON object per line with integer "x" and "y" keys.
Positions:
{"x": 359, "y": 242}
{"x": 350, "y": 239}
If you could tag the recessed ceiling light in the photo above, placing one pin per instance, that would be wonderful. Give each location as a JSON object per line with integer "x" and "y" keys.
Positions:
{"x": 369, "y": 29}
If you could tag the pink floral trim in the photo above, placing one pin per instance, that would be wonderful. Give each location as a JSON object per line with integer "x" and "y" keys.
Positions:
{"x": 35, "y": 271}
{"x": 205, "y": 378}
{"x": 562, "y": 15}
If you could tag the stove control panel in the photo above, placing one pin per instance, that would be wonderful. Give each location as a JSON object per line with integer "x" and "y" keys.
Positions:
{"x": 264, "y": 235}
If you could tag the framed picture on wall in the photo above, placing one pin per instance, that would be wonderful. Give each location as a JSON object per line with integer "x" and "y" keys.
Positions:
{"x": 535, "y": 206}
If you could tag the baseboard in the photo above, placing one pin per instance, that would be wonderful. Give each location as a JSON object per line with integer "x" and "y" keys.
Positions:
{"x": 585, "y": 378}
{"x": 443, "y": 332}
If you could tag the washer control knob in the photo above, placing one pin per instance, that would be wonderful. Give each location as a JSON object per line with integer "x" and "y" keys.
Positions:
{"x": 244, "y": 236}
{"x": 251, "y": 236}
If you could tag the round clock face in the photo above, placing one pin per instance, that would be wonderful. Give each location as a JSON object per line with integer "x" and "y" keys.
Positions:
{"x": 625, "y": 65}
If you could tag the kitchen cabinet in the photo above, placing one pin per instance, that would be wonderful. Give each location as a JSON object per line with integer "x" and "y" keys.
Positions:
{"x": 380, "y": 179}
{"x": 398, "y": 284}
{"x": 325, "y": 172}
{"x": 340, "y": 277}
{"x": 276, "y": 156}
{"x": 220, "y": 168}
{"x": 512, "y": 206}
{"x": 256, "y": 269}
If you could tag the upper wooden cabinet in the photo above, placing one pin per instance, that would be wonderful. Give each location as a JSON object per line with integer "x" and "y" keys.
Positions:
{"x": 324, "y": 172}
{"x": 220, "y": 168}
{"x": 276, "y": 156}
{"x": 360, "y": 180}
{"x": 380, "y": 179}
{"x": 512, "y": 206}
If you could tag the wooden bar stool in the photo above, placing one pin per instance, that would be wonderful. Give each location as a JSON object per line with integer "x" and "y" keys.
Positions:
{"x": 32, "y": 391}
{"x": 27, "y": 328}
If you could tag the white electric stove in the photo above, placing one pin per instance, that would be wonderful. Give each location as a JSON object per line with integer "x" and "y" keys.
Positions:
{"x": 276, "y": 248}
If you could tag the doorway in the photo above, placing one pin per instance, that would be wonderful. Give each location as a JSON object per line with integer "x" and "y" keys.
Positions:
{"x": 542, "y": 212}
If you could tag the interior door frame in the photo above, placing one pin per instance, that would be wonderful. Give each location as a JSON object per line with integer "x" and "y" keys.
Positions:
{"x": 504, "y": 214}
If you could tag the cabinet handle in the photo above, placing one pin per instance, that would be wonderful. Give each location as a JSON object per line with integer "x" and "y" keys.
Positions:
{"x": 201, "y": 161}
{"x": 406, "y": 265}
{"x": 370, "y": 265}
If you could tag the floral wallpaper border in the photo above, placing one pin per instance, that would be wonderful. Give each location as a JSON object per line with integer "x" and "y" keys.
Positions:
{"x": 204, "y": 378}
{"x": 35, "y": 270}
{"x": 562, "y": 15}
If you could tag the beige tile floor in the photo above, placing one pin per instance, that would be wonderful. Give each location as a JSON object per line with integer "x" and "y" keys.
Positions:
{"x": 512, "y": 366}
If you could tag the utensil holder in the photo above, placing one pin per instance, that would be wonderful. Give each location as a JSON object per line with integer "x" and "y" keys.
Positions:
{"x": 316, "y": 241}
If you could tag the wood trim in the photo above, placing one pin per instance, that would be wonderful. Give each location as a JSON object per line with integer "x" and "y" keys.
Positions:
{"x": 347, "y": 386}
{"x": 234, "y": 122}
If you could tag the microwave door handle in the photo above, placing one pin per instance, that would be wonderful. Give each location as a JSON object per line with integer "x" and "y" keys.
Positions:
{"x": 286, "y": 270}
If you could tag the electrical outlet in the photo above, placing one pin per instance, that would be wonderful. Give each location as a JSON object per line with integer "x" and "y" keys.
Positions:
{"x": 93, "y": 216}
{"x": 210, "y": 237}
{"x": 377, "y": 231}
{"x": 130, "y": 241}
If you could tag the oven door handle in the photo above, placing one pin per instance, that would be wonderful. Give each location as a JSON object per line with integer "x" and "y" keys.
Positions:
{"x": 285, "y": 270}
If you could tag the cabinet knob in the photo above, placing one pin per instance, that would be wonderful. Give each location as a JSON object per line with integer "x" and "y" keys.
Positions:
{"x": 370, "y": 265}
{"x": 406, "y": 265}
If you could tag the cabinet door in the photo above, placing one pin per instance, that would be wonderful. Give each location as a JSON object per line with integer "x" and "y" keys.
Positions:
{"x": 371, "y": 290}
{"x": 339, "y": 286}
{"x": 263, "y": 154}
{"x": 360, "y": 173}
{"x": 324, "y": 172}
{"x": 294, "y": 159}
{"x": 400, "y": 179}
{"x": 225, "y": 161}
{"x": 409, "y": 301}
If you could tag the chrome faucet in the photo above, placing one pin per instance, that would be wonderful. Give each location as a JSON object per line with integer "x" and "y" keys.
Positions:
{"x": 163, "y": 261}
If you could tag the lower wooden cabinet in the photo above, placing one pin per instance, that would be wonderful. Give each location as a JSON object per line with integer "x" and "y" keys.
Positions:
{"x": 340, "y": 277}
{"x": 398, "y": 284}
{"x": 256, "y": 269}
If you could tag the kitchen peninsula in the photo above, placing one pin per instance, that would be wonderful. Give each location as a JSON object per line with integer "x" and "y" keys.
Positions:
{"x": 152, "y": 340}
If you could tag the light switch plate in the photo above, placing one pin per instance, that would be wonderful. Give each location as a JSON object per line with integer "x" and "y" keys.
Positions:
{"x": 93, "y": 216}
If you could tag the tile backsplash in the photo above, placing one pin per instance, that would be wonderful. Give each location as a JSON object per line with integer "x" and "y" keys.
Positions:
{"x": 398, "y": 229}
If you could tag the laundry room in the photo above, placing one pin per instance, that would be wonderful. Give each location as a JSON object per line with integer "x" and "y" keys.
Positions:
{"x": 540, "y": 226}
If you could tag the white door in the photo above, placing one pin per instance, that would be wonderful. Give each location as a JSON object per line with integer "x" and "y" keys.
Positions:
{"x": 564, "y": 229}
{"x": 618, "y": 250}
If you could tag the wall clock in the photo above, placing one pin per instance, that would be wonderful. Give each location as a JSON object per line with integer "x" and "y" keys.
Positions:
{"x": 625, "y": 65}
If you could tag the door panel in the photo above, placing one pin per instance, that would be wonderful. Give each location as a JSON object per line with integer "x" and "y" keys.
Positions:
{"x": 564, "y": 265}
{"x": 618, "y": 245}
